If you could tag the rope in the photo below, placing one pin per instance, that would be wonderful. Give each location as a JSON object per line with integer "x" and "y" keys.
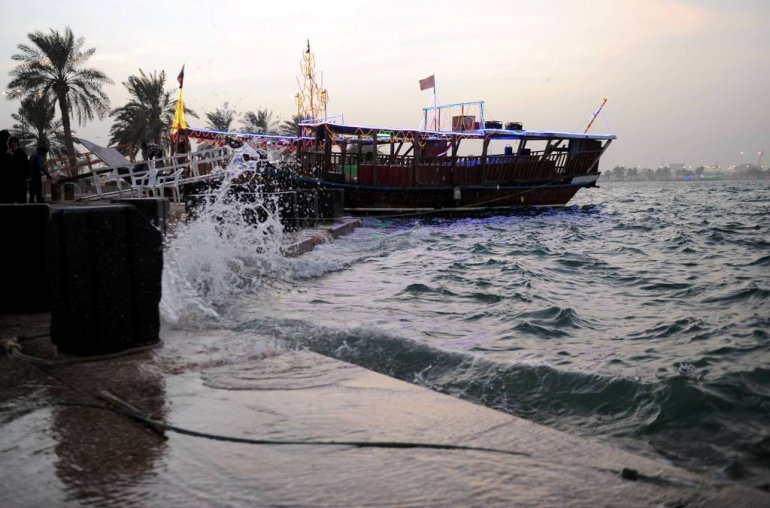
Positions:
{"x": 13, "y": 349}
{"x": 10, "y": 346}
{"x": 119, "y": 406}
{"x": 130, "y": 411}
{"x": 444, "y": 210}
{"x": 22, "y": 338}
{"x": 606, "y": 122}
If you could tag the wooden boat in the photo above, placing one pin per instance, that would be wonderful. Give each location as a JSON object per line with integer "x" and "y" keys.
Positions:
{"x": 386, "y": 170}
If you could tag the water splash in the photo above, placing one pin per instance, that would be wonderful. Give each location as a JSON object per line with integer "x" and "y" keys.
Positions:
{"x": 231, "y": 244}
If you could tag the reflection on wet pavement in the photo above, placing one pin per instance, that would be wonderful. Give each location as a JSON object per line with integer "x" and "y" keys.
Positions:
{"x": 65, "y": 451}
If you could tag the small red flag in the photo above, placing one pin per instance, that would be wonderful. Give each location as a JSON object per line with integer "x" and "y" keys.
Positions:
{"x": 429, "y": 82}
{"x": 180, "y": 78}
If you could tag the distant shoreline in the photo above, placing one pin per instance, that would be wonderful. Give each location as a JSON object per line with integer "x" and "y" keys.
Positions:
{"x": 763, "y": 178}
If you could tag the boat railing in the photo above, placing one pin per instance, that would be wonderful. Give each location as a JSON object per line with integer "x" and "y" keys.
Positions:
{"x": 151, "y": 177}
{"x": 583, "y": 163}
{"x": 461, "y": 170}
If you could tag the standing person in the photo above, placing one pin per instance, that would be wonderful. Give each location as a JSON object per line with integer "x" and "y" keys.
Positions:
{"x": 18, "y": 166}
{"x": 5, "y": 170}
{"x": 182, "y": 146}
{"x": 151, "y": 151}
{"x": 37, "y": 170}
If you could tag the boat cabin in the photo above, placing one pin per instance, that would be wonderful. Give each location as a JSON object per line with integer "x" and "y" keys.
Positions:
{"x": 419, "y": 158}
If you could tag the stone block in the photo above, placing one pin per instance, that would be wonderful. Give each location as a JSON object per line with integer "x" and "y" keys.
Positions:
{"x": 155, "y": 209}
{"x": 23, "y": 276}
{"x": 105, "y": 265}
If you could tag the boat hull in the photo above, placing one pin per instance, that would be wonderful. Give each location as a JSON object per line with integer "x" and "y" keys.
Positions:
{"x": 380, "y": 199}
{"x": 434, "y": 182}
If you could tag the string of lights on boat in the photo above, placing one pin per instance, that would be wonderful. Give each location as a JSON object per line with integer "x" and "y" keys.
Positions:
{"x": 345, "y": 133}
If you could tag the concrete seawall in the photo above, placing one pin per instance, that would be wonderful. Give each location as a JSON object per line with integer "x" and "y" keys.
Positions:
{"x": 306, "y": 240}
{"x": 427, "y": 449}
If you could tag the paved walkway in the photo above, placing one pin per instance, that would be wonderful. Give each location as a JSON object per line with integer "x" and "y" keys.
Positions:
{"x": 60, "y": 445}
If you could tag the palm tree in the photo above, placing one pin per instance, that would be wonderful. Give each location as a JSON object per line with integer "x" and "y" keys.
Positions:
{"x": 291, "y": 127}
{"x": 221, "y": 119}
{"x": 53, "y": 66}
{"x": 148, "y": 114}
{"x": 259, "y": 122}
{"x": 37, "y": 125}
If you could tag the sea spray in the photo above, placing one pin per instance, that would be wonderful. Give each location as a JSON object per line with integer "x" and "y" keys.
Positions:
{"x": 230, "y": 244}
{"x": 626, "y": 321}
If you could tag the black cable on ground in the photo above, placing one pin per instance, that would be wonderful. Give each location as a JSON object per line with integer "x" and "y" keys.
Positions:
{"x": 120, "y": 406}
{"x": 117, "y": 405}
{"x": 13, "y": 349}
{"x": 126, "y": 409}
{"x": 22, "y": 338}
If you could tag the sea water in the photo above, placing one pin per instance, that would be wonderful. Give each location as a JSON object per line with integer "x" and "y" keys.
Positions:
{"x": 639, "y": 314}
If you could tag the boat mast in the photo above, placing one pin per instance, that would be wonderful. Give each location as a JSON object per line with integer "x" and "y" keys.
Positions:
{"x": 312, "y": 97}
{"x": 604, "y": 101}
{"x": 436, "y": 115}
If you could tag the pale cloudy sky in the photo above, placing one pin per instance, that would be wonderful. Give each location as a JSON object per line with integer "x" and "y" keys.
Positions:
{"x": 687, "y": 80}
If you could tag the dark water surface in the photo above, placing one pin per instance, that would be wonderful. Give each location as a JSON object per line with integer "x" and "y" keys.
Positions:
{"x": 640, "y": 314}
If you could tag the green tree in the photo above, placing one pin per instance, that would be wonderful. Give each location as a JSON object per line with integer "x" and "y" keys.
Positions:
{"x": 54, "y": 66}
{"x": 663, "y": 173}
{"x": 618, "y": 173}
{"x": 291, "y": 127}
{"x": 148, "y": 114}
{"x": 221, "y": 119}
{"x": 37, "y": 125}
{"x": 260, "y": 122}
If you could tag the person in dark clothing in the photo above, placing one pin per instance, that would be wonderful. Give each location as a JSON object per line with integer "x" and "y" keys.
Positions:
{"x": 37, "y": 170}
{"x": 151, "y": 151}
{"x": 181, "y": 147}
{"x": 18, "y": 165}
{"x": 5, "y": 170}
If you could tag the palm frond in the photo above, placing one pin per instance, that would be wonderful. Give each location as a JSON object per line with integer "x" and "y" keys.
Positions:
{"x": 148, "y": 114}
{"x": 54, "y": 65}
{"x": 221, "y": 119}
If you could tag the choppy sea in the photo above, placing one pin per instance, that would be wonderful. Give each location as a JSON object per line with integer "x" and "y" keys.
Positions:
{"x": 639, "y": 314}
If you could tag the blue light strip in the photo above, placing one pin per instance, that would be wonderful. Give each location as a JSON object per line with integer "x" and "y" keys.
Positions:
{"x": 236, "y": 134}
{"x": 479, "y": 134}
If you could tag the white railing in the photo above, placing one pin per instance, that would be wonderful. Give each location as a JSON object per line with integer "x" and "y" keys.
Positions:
{"x": 154, "y": 176}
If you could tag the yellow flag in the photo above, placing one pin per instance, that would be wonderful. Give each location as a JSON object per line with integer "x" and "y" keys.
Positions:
{"x": 179, "y": 122}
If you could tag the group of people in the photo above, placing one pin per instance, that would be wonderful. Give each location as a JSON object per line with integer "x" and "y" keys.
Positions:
{"x": 21, "y": 175}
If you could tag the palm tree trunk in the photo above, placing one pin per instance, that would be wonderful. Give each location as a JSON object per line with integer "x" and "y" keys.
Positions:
{"x": 68, "y": 144}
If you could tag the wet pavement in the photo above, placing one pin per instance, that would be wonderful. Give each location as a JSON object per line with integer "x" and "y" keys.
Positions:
{"x": 61, "y": 444}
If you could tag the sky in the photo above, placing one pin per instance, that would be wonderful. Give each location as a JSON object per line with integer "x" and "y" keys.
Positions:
{"x": 686, "y": 80}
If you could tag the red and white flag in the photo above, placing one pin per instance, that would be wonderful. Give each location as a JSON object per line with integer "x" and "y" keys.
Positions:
{"x": 180, "y": 78}
{"x": 429, "y": 82}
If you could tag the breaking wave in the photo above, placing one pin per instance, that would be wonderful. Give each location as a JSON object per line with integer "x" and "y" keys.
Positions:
{"x": 642, "y": 320}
